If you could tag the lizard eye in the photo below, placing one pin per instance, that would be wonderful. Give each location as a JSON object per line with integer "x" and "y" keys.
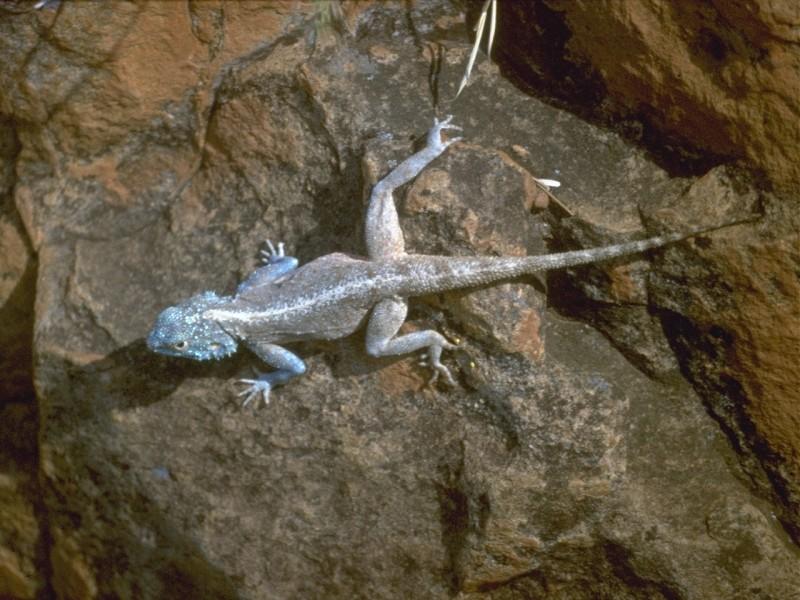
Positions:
{"x": 182, "y": 345}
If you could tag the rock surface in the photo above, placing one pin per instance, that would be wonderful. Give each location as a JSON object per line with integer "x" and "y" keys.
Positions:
{"x": 556, "y": 469}
{"x": 698, "y": 83}
{"x": 22, "y": 566}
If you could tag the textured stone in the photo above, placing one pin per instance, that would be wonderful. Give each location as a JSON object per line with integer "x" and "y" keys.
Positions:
{"x": 739, "y": 344}
{"x": 697, "y": 84}
{"x": 555, "y": 469}
{"x": 21, "y": 543}
{"x": 72, "y": 578}
{"x": 17, "y": 283}
{"x": 708, "y": 82}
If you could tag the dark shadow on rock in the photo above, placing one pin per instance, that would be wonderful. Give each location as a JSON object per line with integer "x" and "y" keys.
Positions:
{"x": 501, "y": 415}
{"x": 542, "y": 66}
{"x": 134, "y": 376}
{"x": 16, "y": 319}
{"x": 19, "y": 462}
{"x": 144, "y": 538}
{"x": 621, "y": 561}
{"x": 702, "y": 357}
{"x": 170, "y": 564}
{"x": 176, "y": 566}
{"x": 455, "y": 519}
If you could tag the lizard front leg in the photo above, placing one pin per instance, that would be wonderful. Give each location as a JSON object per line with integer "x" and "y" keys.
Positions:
{"x": 384, "y": 238}
{"x": 275, "y": 265}
{"x": 382, "y": 339}
{"x": 287, "y": 364}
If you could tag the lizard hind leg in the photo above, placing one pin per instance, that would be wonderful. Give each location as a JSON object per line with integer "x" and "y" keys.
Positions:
{"x": 384, "y": 238}
{"x": 382, "y": 339}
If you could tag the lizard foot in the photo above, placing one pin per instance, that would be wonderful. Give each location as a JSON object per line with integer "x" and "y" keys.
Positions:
{"x": 271, "y": 256}
{"x": 432, "y": 359}
{"x": 447, "y": 377}
{"x": 255, "y": 388}
{"x": 435, "y": 133}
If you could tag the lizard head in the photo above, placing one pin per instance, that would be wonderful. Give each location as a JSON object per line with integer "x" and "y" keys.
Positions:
{"x": 182, "y": 330}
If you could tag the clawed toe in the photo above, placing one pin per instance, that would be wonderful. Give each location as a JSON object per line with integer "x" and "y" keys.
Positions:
{"x": 435, "y": 137}
{"x": 254, "y": 389}
{"x": 445, "y": 123}
{"x": 431, "y": 359}
{"x": 448, "y": 345}
{"x": 445, "y": 374}
{"x": 273, "y": 254}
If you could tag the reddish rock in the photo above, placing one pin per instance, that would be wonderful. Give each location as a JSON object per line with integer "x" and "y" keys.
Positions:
{"x": 719, "y": 78}
{"x": 160, "y": 143}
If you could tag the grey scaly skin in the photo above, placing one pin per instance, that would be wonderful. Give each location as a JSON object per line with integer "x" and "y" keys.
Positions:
{"x": 333, "y": 296}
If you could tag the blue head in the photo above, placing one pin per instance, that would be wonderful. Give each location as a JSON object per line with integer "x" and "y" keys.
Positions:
{"x": 183, "y": 330}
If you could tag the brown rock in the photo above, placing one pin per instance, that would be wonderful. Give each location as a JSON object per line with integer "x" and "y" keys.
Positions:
{"x": 743, "y": 342}
{"x": 17, "y": 283}
{"x": 555, "y": 469}
{"x": 720, "y": 77}
{"x": 72, "y": 578}
{"x": 21, "y": 541}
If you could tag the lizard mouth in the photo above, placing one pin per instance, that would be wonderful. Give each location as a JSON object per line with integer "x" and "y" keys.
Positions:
{"x": 154, "y": 343}
{"x": 218, "y": 351}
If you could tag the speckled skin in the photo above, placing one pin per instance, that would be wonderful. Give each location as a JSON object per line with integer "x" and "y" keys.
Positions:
{"x": 333, "y": 296}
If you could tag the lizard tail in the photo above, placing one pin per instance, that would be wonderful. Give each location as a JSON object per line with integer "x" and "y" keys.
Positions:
{"x": 563, "y": 260}
{"x": 433, "y": 274}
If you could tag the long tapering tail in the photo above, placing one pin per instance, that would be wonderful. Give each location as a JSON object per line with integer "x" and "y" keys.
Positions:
{"x": 562, "y": 260}
{"x": 419, "y": 274}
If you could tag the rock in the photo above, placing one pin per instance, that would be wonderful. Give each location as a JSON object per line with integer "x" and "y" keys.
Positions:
{"x": 554, "y": 469}
{"x": 22, "y": 565}
{"x": 697, "y": 84}
{"x": 21, "y": 562}
{"x": 72, "y": 577}
{"x": 738, "y": 344}
{"x": 17, "y": 283}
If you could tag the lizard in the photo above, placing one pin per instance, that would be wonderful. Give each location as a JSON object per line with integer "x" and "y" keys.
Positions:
{"x": 335, "y": 295}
